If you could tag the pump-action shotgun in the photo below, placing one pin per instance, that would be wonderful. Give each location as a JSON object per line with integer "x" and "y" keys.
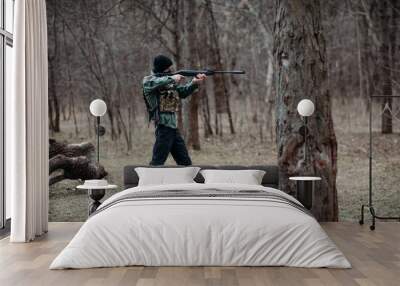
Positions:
{"x": 194, "y": 73}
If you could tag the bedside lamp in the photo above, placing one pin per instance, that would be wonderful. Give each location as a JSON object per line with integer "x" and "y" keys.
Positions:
{"x": 98, "y": 108}
{"x": 305, "y": 184}
{"x": 305, "y": 108}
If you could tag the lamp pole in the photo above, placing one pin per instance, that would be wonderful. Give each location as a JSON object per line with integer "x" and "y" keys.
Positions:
{"x": 98, "y": 139}
{"x": 98, "y": 108}
{"x": 305, "y": 140}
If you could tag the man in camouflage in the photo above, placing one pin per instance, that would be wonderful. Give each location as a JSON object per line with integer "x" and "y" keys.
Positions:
{"x": 162, "y": 94}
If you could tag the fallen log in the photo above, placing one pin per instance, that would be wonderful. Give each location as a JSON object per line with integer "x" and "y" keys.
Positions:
{"x": 75, "y": 168}
{"x": 72, "y": 161}
{"x": 70, "y": 150}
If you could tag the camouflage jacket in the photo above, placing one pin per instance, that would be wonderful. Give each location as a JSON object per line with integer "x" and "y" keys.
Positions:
{"x": 162, "y": 95}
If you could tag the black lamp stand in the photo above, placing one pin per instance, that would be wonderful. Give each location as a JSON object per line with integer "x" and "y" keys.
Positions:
{"x": 100, "y": 131}
{"x": 98, "y": 138}
{"x": 305, "y": 139}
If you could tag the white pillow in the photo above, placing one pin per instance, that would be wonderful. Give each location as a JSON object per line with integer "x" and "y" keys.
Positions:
{"x": 164, "y": 176}
{"x": 248, "y": 177}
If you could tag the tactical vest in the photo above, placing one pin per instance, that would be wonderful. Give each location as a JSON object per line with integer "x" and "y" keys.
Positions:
{"x": 169, "y": 99}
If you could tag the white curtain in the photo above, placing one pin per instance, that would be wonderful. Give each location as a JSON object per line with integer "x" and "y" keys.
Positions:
{"x": 27, "y": 124}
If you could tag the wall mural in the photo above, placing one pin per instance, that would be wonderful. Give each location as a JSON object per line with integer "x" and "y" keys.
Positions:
{"x": 105, "y": 50}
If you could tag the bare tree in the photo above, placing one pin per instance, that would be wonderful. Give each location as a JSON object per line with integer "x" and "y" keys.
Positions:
{"x": 193, "y": 137}
{"x": 385, "y": 65}
{"x": 54, "y": 106}
{"x": 71, "y": 94}
{"x": 203, "y": 60}
{"x": 222, "y": 104}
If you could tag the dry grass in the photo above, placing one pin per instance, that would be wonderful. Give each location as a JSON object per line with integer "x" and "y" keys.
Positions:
{"x": 246, "y": 148}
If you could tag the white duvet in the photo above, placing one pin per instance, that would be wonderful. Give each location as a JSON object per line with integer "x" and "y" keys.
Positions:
{"x": 200, "y": 231}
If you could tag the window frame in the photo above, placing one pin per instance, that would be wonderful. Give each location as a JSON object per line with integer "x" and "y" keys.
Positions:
{"x": 6, "y": 39}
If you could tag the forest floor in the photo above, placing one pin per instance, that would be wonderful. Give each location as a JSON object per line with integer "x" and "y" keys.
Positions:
{"x": 70, "y": 204}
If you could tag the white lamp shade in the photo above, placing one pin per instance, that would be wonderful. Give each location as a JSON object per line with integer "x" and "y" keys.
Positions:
{"x": 305, "y": 107}
{"x": 98, "y": 107}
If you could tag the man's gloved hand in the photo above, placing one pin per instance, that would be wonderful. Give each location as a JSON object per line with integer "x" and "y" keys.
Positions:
{"x": 199, "y": 78}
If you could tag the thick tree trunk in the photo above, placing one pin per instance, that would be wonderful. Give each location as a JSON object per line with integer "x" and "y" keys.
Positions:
{"x": 301, "y": 72}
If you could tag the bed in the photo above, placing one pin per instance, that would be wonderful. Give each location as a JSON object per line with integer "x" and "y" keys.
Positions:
{"x": 198, "y": 224}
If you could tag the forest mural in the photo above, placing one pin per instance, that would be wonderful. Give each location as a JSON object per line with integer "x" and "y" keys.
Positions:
{"x": 336, "y": 53}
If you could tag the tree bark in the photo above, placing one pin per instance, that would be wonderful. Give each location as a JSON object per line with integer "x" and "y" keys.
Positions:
{"x": 54, "y": 106}
{"x": 176, "y": 16}
{"x": 185, "y": 31}
{"x": 208, "y": 131}
{"x": 395, "y": 47}
{"x": 71, "y": 95}
{"x": 365, "y": 54}
{"x": 222, "y": 104}
{"x": 384, "y": 51}
{"x": 301, "y": 72}
{"x": 193, "y": 138}
{"x": 203, "y": 60}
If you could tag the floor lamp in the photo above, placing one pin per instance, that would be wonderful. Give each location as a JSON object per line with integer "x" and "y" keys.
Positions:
{"x": 305, "y": 183}
{"x": 98, "y": 108}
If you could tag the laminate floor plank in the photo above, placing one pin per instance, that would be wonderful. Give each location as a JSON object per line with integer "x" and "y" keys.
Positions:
{"x": 374, "y": 255}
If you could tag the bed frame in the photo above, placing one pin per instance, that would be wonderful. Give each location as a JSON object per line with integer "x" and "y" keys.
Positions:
{"x": 270, "y": 179}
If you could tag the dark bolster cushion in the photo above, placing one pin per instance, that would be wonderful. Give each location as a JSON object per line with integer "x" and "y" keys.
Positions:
{"x": 270, "y": 179}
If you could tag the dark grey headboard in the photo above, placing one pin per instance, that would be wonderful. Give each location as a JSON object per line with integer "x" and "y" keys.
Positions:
{"x": 271, "y": 177}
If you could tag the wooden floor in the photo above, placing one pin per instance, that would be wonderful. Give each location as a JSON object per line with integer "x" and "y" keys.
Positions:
{"x": 375, "y": 257}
